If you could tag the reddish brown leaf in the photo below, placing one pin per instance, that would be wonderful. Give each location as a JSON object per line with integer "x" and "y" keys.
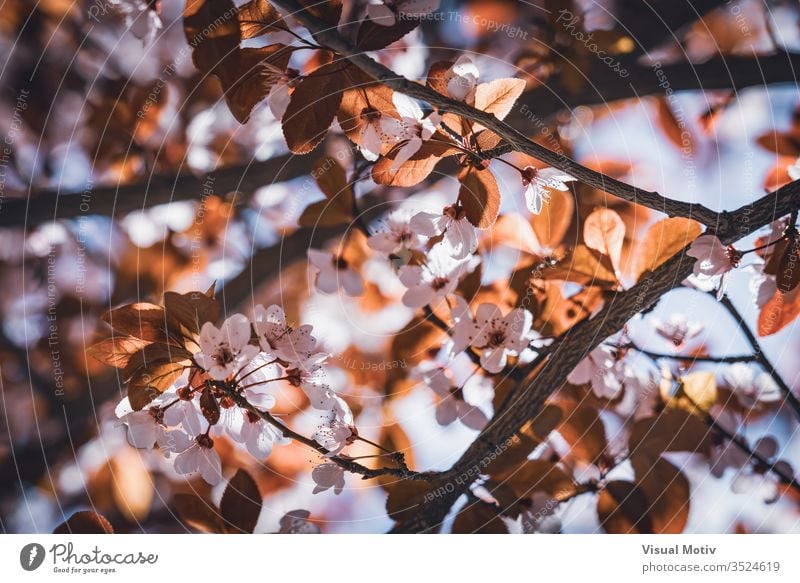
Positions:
{"x": 663, "y": 240}
{"x": 209, "y": 406}
{"x": 676, "y": 131}
{"x": 212, "y": 30}
{"x": 779, "y": 312}
{"x": 258, "y": 17}
{"x": 198, "y": 514}
{"x": 247, "y": 79}
{"x": 241, "y": 503}
{"x": 583, "y": 429}
{"x": 480, "y": 197}
{"x": 498, "y": 96}
{"x": 584, "y": 266}
{"x": 85, "y": 522}
{"x": 622, "y": 508}
{"x": 116, "y": 351}
{"x": 667, "y": 490}
{"x": 312, "y": 107}
{"x": 604, "y": 232}
{"x": 671, "y": 430}
{"x": 373, "y": 37}
{"x": 141, "y": 320}
{"x": 417, "y": 168}
{"x": 552, "y": 223}
{"x": 479, "y": 518}
{"x": 191, "y": 310}
{"x": 436, "y": 76}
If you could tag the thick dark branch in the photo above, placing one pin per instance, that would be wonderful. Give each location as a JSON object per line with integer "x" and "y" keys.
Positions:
{"x": 49, "y": 205}
{"x": 516, "y": 140}
{"x": 582, "y": 339}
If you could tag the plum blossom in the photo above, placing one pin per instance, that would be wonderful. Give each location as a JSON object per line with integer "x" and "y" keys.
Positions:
{"x": 763, "y": 480}
{"x": 537, "y": 182}
{"x": 279, "y": 340}
{"x": 500, "y": 336}
{"x": 185, "y": 413}
{"x": 141, "y": 17}
{"x": 331, "y": 271}
{"x": 201, "y": 457}
{"x": 311, "y": 377}
{"x": 794, "y": 170}
{"x": 452, "y": 404}
{"x": 462, "y": 79}
{"x": 762, "y": 285}
{"x": 296, "y": 522}
{"x": 677, "y": 329}
{"x": 434, "y": 280}
{"x": 144, "y": 428}
{"x": 337, "y": 429}
{"x": 404, "y": 134}
{"x": 398, "y": 236}
{"x": 459, "y": 234}
{"x": 225, "y": 350}
{"x": 751, "y": 389}
{"x": 714, "y": 260}
{"x": 603, "y": 369}
{"x": 388, "y": 12}
{"x": 327, "y": 476}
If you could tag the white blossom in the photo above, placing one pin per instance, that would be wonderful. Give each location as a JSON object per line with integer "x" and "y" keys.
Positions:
{"x": 327, "y": 476}
{"x": 398, "y": 235}
{"x": 462, "y": 79}
{"x": 434, "y": 280}
{"x": 332, "y": 271}
{"x": 537, "y": 182}
{"x": 677, "y": 329}
{"x": 714, "y": 260}
{"x": 200, "y": 457}
{"x": 749, "y": 388}
{"x": 500, "y": 336}
{"x": 225, "y": 350}
{"x": 279, "y": 340}
{"x": 459, "y": 234}
{"x": 602, "y": 369}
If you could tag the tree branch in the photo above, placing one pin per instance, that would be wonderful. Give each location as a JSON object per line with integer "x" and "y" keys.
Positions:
{"x": 584, "y": 336}
{"x": 49, "y": 205}
{"x": 582, "y": 339}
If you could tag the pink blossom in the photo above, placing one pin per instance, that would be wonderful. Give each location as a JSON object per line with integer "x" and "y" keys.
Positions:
{"x": 279, "y": 340}
{"x": 500, "y": 336}
{"x": 224, "y": 350}
{"x": 332, "y": 271}
{"x": 462, "y": 79}
{"x": 434, "y": 280}
{"x": 537, "y": 182}
{"x": 459, "y": 234}
{"x": 327, "y": 476}
{"x": 200, "y": 457}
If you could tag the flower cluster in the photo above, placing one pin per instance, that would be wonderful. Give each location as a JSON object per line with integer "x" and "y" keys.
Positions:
{"x": 229, "y": 389}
